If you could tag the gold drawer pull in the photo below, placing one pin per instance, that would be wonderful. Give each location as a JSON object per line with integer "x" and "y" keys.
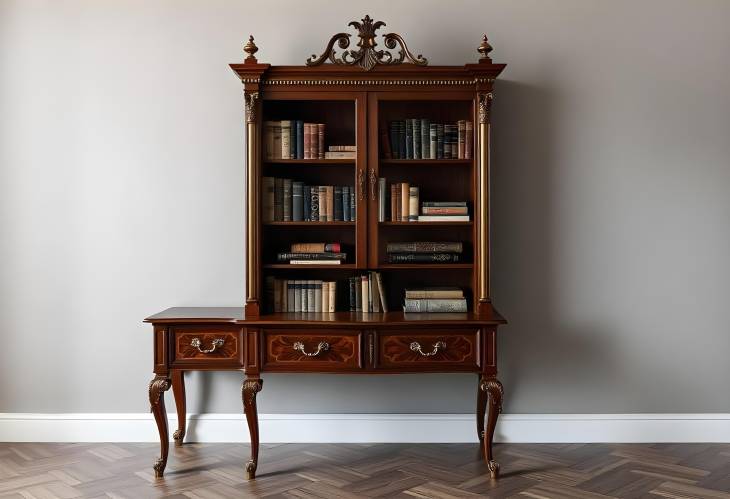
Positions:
{"x": 416, "y": 347}
{"x": 322, "y": 347}
{"x": 218, "y": 342}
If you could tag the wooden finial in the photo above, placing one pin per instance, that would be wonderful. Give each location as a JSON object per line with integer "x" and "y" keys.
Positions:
{"x": 250, "y": 48}
{"x": 484, "y": 49}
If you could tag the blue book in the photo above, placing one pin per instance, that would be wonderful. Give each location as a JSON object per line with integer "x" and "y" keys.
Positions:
{"x": 346, "y": 203}
{"x": 297, "y": 201}
{"x": 353, "y": 210}
{"x": 300, "y": 139}
{"x": 409, "y": 139}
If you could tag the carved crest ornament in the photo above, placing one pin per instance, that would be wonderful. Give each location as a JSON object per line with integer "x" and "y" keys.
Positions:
{"x": 366, "y": 56}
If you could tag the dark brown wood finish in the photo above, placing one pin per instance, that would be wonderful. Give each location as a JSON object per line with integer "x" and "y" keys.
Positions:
{"x": 353, "y": 99}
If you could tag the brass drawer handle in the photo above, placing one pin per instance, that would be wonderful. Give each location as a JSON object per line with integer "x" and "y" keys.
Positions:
{"x": 218, "y": 342}
{"x": 322, "y": 347}
{"x": 416, "y": 347}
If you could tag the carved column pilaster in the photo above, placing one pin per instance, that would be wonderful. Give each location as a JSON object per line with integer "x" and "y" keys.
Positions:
{"x": 485, "y": 103}
{"x": 252, "y": 206}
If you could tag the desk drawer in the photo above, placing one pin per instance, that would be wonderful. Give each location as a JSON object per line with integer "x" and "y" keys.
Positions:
{"x": 302, "y": 350}
{"x": 423, "y": 349}
{"x": 216, "y": 345}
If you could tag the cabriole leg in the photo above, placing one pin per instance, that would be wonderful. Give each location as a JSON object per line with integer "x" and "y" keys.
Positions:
{"x": 493, "y": 388}
{"x": 178, "y": 389}
{"x": 251, "y": 386}
{"x": 158, "y": 386}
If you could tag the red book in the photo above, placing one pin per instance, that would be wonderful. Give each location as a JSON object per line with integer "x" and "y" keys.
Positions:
{"x": 320, "y": 140}
{"x": 307, "y": 141}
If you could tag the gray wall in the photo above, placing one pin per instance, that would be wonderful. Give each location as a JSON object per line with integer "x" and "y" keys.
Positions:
{"x": 121, "y": 193}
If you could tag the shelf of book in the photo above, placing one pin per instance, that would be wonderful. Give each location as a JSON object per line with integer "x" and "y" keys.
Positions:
{"x": 421, "y": 224}
{"x": 394, "y": 317}
{"x": 310, "y": 162}
{"x": 429, "y": 266}
{"x": 308, "y": 224}
{"x": 289, "y": 266}
{"x": 422, "y": 162}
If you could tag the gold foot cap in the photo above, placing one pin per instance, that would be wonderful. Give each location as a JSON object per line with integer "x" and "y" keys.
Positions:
{"x": 250, "y": 470}
{"x": 159, "y": 468}
{"x": 178, "y": 436}
{"x": 493, "y": 469}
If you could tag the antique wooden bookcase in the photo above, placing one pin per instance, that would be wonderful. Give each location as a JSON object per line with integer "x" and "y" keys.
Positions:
{"x": 353, "y": 93}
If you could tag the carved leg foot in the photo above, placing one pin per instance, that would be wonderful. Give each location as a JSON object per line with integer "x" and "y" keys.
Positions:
{"x": 494, "y": 389}
{"x": 157, "y": 389}
{"x": 251, "y": 386}
{"x": 178, "y": 389}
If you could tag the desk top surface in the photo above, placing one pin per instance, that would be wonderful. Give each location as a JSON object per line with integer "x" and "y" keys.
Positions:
{"x": 235, "y": 315}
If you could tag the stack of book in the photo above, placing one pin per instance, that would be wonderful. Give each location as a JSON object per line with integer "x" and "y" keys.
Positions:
{"x": 299, "y": 295}
{"x": 285, "y": 200}
{"x": 420, "y": 139}
{"x": 367, "y": 293}
{"x": 341, "y": 152}
{"x": 313, "y": 254}
{"x": 424, "y": 252}
{"x": 444, "y": 211}
{"x": 293, "y": 139}
{"x": 442, "y": 299}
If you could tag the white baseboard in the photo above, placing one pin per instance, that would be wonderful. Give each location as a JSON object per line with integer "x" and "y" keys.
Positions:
{"x": 409, "y": 428}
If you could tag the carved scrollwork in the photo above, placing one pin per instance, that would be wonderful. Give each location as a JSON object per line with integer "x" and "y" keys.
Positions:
{"x": 495, "y": 390}
{"x": 158, "y": 386}
{"x": 252, "y": 99}
{"x": 366, "y": 56}
{"x": 485, "y": 105}
{"x": 249, "y": 390}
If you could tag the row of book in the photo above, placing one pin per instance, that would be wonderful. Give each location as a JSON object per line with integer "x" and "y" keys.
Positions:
{"x": 300, "y": 295}
{"x": 436, "y": 300}
{"x": 425, "y": 252}
{"x": 367, "y": 294}
{"x": 285, "y": 200}
{"x": 418, "y": 138}
{"x": 313, "y": 254}
{"x": 293, "y": 139}
{"x": 405, "y": 205}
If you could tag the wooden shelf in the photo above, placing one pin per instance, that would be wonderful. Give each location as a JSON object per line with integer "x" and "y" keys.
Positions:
{"x": 309, "y": 162}
{"x": 347, "y": 266}
{"x": 395, "y": 317}
{"x": 421, "y": 162}
{"x": 311, "y": 224}
{"x": 442, "y": 266}
{"x": 421, "y": 224}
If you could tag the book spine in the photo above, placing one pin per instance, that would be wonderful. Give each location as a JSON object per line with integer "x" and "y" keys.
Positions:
{"x": 285, "y": 138}
{"x": 287, "y": 211}
{"x": 290, "y": 295}
{"x": 358, "y": 293}
{"x": 382, "y": 199}
{"x": 278, "y": 199}
{"x": 315, "y": 248}
{"x": 461, "y": 138}
{"x": 424, "y": 258}
{"x": 385, "y": 142}
{"x": 375, "y": 292}
{"x": 393, "y": 202}
{"x": 434, "y": 305}
{"x": 364, "y": 294}
{"x": 332, "y": 301}
{"x": 338, "y": 209}
{"x": 456, "y": 294}
{"x": 340, "y": 155}
{"x": 404, "y": 201}
{"x": 297, "y": 295}
{"x": 284, "y": 257}
{"x": 317, "y": 292}
{"x": 342, "y": 148}
{"x": 381, "y": 293}
{"x": 297, "y": 212}
{"x": 307, "y": 141}
{"x": 353, "y": 204}
{"x": 306, "y": 203}
{"x": 409, "y": 139}
{"x": 352, "y": 294}
{"x": 325, "y": 296}
{"x": 398, "y": 202}
{"x": 468, "y": 139}
{"x": 447, "y": 141}
{"x": 314, "y": 202}
{"x": 330, "y": 204}
{"x": 413, "y": 204}
{"x": 454, "y": 141}
{"x": 416, "y": 126}
{"x": 402, "y": 139}
{"x": 269, "y": 139}
{"x": 322, "y": 196}
{"x": 305, "y": 296}
{"x": 444, "y": 203}
{"x": 425, "y": 247}
{"x": 276, "y": 142}
{"x": 268, "y": 198}
{"x": 433, "y": 138}
{"x": 292, "y": 139}
{"x": 393, "y": 134}
{"x": 311, "y": 296}
{"x": 440, "y": 141}
{"x": 320, "y": 140}
{"x": 455, "y": 210}
{"x": 443, "y": 218}
{"x": 315, "y": 262}
{"x": 299, "y": 150}
{"x": 346, "y": 202}
{"x": 425, "y": 138}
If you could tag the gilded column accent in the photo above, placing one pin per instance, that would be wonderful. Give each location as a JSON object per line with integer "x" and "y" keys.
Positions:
{"x": 252, "y": 207}
{"x": 485, "y": 102}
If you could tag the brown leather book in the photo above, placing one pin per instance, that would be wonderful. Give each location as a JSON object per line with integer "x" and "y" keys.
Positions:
{"x": 393, "y": 202}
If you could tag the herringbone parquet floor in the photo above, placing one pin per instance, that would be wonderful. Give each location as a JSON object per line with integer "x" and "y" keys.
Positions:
{"x": 203, "y": 471}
